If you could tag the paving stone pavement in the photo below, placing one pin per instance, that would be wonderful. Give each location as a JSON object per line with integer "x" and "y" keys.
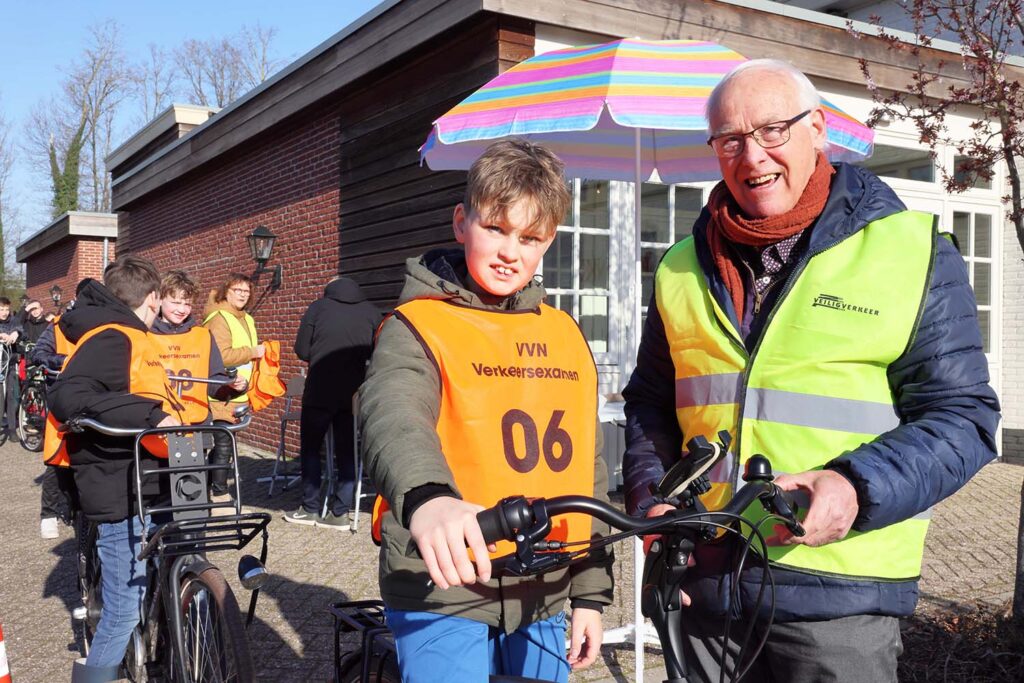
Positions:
{"x": 970, "y": 555}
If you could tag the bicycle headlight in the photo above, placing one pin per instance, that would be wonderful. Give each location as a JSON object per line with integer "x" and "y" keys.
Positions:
{"x": 251, "y": 572}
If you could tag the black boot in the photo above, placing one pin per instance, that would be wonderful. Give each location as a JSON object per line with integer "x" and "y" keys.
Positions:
{"x": 82, "y": 673}
{"x": 220, "y": 455}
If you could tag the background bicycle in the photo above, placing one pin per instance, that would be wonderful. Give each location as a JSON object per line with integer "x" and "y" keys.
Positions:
{"x": 192, "y": 629}
{"x": 32, "y": 407}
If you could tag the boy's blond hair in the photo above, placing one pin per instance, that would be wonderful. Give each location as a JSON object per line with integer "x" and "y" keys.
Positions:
{"x": 176, "y": 281}
{"x": 516, "y": 169}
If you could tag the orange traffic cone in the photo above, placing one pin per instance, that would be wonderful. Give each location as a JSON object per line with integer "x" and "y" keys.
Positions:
{"x": 5, "y": 672}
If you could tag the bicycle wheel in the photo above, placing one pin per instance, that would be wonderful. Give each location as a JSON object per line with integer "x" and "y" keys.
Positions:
{"x": 32, "y": 418}
{"x": 383, "y": 669}
{"x": 216, "y": 648}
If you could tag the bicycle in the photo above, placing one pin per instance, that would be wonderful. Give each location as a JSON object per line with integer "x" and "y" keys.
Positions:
{"x": 191, "y": 630}
{"x": 528, "y": 522}
{"x": 5, "y": 365}
{"x": 32, "y": 406}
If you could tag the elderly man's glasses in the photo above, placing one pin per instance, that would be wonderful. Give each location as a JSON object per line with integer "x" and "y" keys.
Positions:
{"x": 769, "y": 135}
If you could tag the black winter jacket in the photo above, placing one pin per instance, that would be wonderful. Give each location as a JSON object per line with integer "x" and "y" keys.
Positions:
{"x": 95, "y": 384}
{"x": 336, "y": 337}
{"x": 947, "y": 409}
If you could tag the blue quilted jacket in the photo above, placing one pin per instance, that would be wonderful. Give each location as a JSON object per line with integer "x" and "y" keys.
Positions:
{"x": 947, "y": 409}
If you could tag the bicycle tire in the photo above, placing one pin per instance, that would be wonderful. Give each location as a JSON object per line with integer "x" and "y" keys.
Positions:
{"x": 383, "y": 669}
{"x": 31, "y": 418}
{"x": 216, "y": 647}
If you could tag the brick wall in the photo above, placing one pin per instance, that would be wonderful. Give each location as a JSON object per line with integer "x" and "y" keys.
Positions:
{"x": 286, "y": 180}
{"x": 65, "y": 264}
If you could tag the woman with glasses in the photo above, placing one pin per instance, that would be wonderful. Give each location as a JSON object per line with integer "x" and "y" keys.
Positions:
{"x": 234, "y": 332}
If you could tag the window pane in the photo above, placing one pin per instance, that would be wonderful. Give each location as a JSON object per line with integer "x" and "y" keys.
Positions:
{"x": 558, "y": 262}
{"x": 983, "y": 282}
{"x": 901, "y": 162}
{"x": 649, "y": 259}
{"x": 594, "y": 204}
{"x": 688, "y": 206}
{"x": 961, "y": 230}
{"x": 963, "y": 175}
{"x": 594, "y": 321}
{"x": 984, "y": 320}
{"x": 593, "y": 261}
{"x": 982, "y": 235}
{"x": 567, "y": 219}
{"x": 562, "y": 302}
{"x": 654, "y": 213}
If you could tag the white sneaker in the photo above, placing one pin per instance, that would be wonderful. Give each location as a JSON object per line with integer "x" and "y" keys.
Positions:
{"x": 48, "y": 528}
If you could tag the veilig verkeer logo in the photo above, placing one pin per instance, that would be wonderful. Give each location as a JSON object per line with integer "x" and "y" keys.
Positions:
{"x": 838, "y": 304}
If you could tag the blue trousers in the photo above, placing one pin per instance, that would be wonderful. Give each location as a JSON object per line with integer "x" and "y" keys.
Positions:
{"x": 437, "y": 648}
{"x": 123, "y": 585}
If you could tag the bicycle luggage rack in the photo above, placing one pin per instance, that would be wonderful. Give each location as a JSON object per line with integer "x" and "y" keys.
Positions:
{"x": 203, "y": 535}
{"x": 365, "y": 617}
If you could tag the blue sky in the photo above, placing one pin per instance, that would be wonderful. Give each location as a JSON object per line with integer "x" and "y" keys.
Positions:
{"x": 37, "y": 37}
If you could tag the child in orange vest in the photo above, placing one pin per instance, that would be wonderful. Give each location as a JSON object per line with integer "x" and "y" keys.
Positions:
{"x": 109, "y": 328}
{"x": 478, "y": 390}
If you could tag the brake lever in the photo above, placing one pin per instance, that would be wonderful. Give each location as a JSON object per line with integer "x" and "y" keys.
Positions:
{"x": 783, "y": 505}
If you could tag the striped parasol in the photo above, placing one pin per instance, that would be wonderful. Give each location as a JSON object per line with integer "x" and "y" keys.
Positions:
{"x": 602, "y": 108}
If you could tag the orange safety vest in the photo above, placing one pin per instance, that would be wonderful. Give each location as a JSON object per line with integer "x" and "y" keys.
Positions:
{"x": 54, "y": 451}
{"x": 518, "y": 405}
{"x": 188, "y": 355}
{"x": 265, "y": 385}
{"x": 147, "y": 379}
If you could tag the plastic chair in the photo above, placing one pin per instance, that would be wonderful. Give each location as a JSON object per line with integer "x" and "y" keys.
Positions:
{"x": 370, "y": 492}
{"x": 281, "y": 471}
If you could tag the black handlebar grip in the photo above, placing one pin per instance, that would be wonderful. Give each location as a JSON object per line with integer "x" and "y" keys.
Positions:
{"x": 788, "y": 508}
{"x": 492, "y": 524}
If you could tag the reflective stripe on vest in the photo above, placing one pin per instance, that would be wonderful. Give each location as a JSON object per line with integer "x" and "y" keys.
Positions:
{"x": 518, "y": 403}
{"x": 817, "y": 385}
{"x": 242, "y": 336}
{"x": 187, "y": 355}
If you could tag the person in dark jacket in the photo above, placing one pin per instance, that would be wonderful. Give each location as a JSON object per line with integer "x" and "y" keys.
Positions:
{"x": 97, "y": 382}
{"x": 34, "y": 322}
{"x": 335, "y": 337}
{"x": 824, "y": 325}
{"x": 10, "y": 332}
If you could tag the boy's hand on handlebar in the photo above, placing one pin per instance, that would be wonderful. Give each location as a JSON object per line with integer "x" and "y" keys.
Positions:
{"x": 587, "y": 634}
{"x": 239, "y": 384}
{"x": 169, "y": 421}
{"x": 833, "y": 508}
{"x": 442, "y": 529}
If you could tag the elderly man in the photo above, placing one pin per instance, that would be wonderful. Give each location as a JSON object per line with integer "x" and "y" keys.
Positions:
{"x": 823, "y": 325}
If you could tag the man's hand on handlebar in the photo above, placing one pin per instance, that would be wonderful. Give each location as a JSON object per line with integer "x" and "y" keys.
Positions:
{"x": 657, "y": 511}
{"x": 587, "y": 634}
{"x": 443, "y": 528}
{"x": 169, "y": 421}
{"x": 833, "y": 508}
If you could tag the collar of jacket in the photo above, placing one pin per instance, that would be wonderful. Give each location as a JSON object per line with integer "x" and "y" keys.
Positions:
{"x": 161, "y": 326}
{"x": 441, "y": 274}
{"x": 856, "y": 198}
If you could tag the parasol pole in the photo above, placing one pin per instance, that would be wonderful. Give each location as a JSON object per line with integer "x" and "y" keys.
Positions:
{"x": 634, "y": 334}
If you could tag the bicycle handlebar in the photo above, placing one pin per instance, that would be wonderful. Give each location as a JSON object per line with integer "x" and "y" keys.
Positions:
{"x": 200, "y": 380}
{"x": 512, "y": 519}
{"x": 77, "y": 424}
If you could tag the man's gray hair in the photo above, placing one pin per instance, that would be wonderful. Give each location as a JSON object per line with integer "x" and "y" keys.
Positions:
{"x": 807, "y": 94}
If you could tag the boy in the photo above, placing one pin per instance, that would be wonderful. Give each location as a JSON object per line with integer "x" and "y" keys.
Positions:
{"x": 113, "y": 375}
{"x": 468, "y": 373}
{"x": 186, "y": 347}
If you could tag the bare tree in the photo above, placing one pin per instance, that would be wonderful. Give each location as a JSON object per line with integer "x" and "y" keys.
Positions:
{"x": 212, "y": 70}
{"x": 54, "y": 137}
{"x": 258, "y": 61}
{"x": 6, "y": 166}
{"x": 987, "y": 32}
{"x": 218, "y": 71}
{"x": 154, "y": 81}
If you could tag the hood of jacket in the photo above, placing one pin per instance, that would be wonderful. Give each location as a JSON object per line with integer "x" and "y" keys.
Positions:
{"x": 857, "y": 197}
{"x": 344, "y": 290}
{"x": 212, "y": 305}
{"x": 96, "y": 305}
{"x": 442, "y": 274}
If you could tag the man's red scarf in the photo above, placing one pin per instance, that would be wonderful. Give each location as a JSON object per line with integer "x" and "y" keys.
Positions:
{"x": 729, "y": 225}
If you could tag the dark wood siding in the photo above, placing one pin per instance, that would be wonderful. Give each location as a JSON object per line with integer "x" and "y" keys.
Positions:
{"x": 391, "y": 208}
